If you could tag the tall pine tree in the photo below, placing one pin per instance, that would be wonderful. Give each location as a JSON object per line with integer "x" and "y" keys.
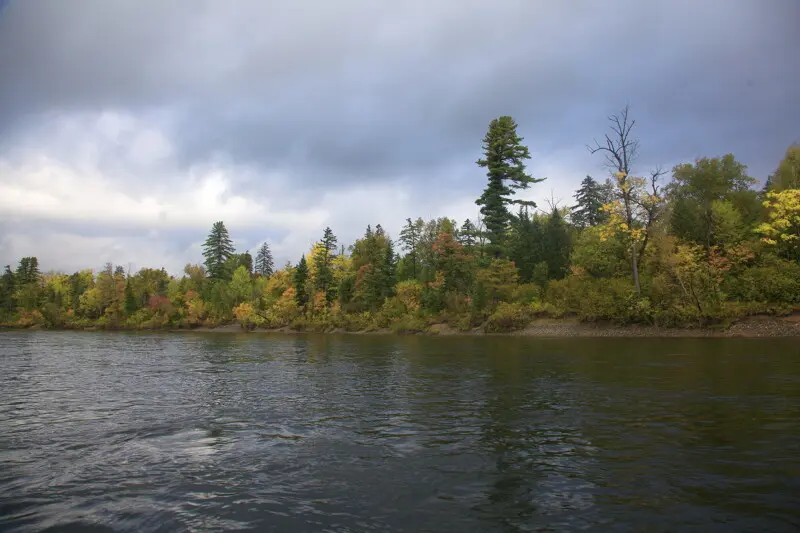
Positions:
{"x": 265, "y": 266}
{"x": 388, "y": 270}
{"x": 217, "y": 249}
{"x": 504, "y": 156}
{"x": 409, "y": 239}
{"x": 322, "y": 264}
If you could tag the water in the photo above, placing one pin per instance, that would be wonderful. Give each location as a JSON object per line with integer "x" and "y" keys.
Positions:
{"x": 217, "y": 432}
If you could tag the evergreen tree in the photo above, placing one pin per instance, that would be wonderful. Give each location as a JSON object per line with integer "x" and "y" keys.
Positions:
{"x": 322, "y": 264}
{"x": 388, "y": 270}
{"x": 467, "y": 235}
{"x": 504, "y": 156}
{"x": 27, "y": 271}
{"x": 525, "y": 244}
{"x": 589, "y": 198}
{"x": 300, "y": 278}
{"x": 556, "y": 246}
{"x": 130, "y": 305}
{"x": 265, "y": 265}
{"x": 217, "y": 250}
{"x": 410, "y": 237}
{"x": 7, "y": 287}
{"x": 246, "y": 260}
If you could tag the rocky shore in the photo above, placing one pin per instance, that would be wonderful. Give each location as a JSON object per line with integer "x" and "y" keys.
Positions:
{"x": 752, "y": 327}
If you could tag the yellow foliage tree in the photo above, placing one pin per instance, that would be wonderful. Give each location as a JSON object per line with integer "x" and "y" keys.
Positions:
{"x": 782, "y": 229}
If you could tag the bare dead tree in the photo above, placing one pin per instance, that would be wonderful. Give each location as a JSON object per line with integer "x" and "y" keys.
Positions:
{"x": 620, "y": 149}
{"x": 552, "y": 202}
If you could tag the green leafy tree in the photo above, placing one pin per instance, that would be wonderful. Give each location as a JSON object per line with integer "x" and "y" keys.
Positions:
{"x": 504, "y": 158}
{"x": 265, "y": 266}
{"x": 217, "y": 250}
{"x": 241, "y": 285}
{"x": 695, "y": 190}
{"x": 300, "y": 279}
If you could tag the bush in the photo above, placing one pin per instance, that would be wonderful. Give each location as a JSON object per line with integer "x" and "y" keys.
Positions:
{"x": 52, "y": 315}
{"x": 775, "y": 281}
{"x": 508, "y": 317}
{"x": 525, "y": 293}
{"x": 357, "y": 321}
{"x": 409, "y": 324}
{"x": 612, "y": 299}
{"x": 544, "y": 309}
{"x": 28, "y": 319}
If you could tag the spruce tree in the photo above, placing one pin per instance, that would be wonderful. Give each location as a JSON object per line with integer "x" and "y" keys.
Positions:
{"x": 27, "y": 271}
{"x": 556, "y": 246}
{"x": 388, "y": 270}
{"x": 265, "y": 265}
{"x": 246, "y": 260}
{"x": 409, "y": 238}
{"x": 466, "y": 235}
{"x": 590, "y": 198}
{"x": 504, "y": 156}
{"x": 525, "y": 244}
{"x": 300, "y": 279}
{"x": 322, "y": 263}
{"x": 7, "y": 287}
{"x": 130, "y": 305}
{"x": 217, "y": 250}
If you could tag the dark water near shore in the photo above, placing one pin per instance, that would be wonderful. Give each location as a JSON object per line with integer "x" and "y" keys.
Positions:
{"x": 215, "y": 432}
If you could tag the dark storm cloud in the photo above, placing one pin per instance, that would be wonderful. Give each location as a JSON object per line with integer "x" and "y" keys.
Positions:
{"x": 353, "y": 91}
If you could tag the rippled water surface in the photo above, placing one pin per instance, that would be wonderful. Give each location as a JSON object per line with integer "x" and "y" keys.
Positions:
{"x": 225, "y": 432}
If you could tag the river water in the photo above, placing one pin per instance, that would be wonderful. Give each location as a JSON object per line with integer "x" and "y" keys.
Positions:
{"x": 248, "y": 432}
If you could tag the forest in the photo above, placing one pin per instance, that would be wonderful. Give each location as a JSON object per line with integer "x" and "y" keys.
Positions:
{"x": 697, "y": 246}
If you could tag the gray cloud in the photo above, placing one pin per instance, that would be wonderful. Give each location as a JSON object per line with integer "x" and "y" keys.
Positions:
{"x": 333, "y": 95}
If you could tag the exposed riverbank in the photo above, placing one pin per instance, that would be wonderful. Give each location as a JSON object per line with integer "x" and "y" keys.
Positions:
{"x": 753, "y": 326}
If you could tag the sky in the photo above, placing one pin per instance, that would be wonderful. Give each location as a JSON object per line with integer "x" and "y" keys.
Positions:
{"x": 128, "y": 128}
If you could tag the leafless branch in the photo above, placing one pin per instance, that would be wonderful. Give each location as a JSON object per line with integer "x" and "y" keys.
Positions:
{"x": 619, "y": 148}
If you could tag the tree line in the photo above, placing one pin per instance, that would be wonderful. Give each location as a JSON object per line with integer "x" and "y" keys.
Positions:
{"x": 701, "y": 246}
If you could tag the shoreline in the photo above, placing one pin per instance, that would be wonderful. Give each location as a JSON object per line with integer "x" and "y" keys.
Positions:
{"x": 758, "y": 326}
